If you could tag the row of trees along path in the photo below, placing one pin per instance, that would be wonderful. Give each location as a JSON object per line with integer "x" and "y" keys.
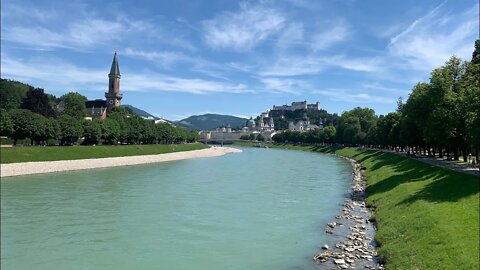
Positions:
{"x": 440, "y": 120}
{"x": 43, "y": 119}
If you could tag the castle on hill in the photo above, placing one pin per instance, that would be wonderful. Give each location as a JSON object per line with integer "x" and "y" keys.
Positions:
{"x": 99, "y": 108}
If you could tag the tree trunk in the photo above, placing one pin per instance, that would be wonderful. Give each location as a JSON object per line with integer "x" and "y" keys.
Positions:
{"x": 455, "y": 154}
{"x": 15, "y": 143}
{"x": 440, "y": 152}
{"x": 448, "y": 153}
{"x": 464, "y": 154}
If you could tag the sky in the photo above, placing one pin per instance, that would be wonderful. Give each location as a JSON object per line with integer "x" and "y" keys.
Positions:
{"x": 181, "y": 58}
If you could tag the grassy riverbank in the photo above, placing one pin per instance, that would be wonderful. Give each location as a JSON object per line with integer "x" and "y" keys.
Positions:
{"x": 51, "y": 153}
{"x": 428, "y": 216}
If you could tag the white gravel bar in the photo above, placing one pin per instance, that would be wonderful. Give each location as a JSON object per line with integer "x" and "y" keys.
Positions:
{"x": 25, "y": 168}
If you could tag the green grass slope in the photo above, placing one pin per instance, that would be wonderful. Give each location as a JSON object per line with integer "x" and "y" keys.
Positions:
{"x": 25, "y": 154}
{"x": 428, "y": 217}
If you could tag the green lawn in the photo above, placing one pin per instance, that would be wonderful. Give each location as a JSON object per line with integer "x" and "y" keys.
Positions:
{"x": 49, "y": 153}
{"x": 428, "y": 217}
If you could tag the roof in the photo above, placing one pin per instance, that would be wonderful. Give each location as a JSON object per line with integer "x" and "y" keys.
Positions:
{"x": 97, "y": 103}
{"x": 114, "y": 70}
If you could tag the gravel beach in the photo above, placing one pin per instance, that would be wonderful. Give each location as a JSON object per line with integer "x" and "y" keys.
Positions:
{"x": 25, "y": 168}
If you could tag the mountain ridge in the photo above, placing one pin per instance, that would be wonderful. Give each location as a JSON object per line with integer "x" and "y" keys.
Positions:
{"x": 211, "y": 121}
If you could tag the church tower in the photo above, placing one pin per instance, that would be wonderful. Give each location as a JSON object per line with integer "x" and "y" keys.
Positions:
{"x": 113, "y": 96}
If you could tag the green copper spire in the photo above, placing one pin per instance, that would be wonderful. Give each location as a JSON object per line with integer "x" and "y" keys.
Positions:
{"x": 114, "y": 70}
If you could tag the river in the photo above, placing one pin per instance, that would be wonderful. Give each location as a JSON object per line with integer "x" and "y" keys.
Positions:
{"x": 259, "y": 209}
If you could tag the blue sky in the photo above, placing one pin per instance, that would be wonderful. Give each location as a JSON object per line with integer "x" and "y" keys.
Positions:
{"x": 180, "y": 58}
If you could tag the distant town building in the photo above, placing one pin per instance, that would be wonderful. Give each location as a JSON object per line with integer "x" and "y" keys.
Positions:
{"x": 98, "y": 108}
{"x": 265, "y": 123}
{"x": 302, "y": 126}
{"x": 302, "y": 105}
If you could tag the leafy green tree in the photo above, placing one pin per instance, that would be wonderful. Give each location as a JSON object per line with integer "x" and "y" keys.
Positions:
{"x": 73, "y": 105}
{"x": 110, "y": 131}
{"x": 445, "y": 122}
{"x": 12, "y": 94}
{"x": 23, "y": 124}
{"x": 384, "y": 129}
{"x": 70, "y": 129}
{"x": 6, "y": 126}
{"x": 39, "y": 132}
{"x": 52, "y": 129}
{"x": 329, "y": 133}
{"x": 92, "y": 132}
{"x": 38, "y": 102}
{"x": 260, "y": 137}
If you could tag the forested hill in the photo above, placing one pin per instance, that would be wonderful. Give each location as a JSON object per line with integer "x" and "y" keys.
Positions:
{"x": 211, "y": 121}
{"x": 140, "y": 112}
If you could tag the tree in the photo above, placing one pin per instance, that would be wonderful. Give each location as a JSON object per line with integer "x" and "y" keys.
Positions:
{"x": 6, "y": 126}
{"x": 12, "y": 94}
{"x": 23, "y": 124}
{"x": 445, "y": 122}
{"x": 329, "y": 134}
{"x": 38, "y": 102}
{"x": 260, "y": 137}
{"x": 110, "y": 131}
{"x": 355, "y": 125}
{"x": 73, "y": 105}
{"x": 70, "y": 129}
{"x": 39, "y": 132}
{"x": 92, "y": 132}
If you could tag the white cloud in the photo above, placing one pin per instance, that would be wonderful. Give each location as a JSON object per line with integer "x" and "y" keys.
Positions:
{"x": 282, "y": 85}
{"x": 308, "y": 65}
{"x": 60, "y": 77}
{"x": 333, "y": 35}
{"x": 162, "y": 82}
{"x": 82, "y": 30}
{"x": 291, "y": 36}
{"x": 164, "y": 58}
{"x": 347, "y": 96}
{"x": 242, "y": 30}
{"x": 432, "y": 39}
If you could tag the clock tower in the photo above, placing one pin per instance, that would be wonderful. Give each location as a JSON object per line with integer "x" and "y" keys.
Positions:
{"x": 113, "y": 95}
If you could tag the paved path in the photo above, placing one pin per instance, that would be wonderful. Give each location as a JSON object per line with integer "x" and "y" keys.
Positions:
{"x": 452, "y": 165}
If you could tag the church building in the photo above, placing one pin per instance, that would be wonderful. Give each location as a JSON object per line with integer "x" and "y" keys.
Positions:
{"x": 99, "y": 108}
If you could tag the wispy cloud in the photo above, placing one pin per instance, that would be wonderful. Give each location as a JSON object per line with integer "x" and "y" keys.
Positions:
{"x": 242, "y": 30}
{"x": 325, "y": 39}
{"x": 431, "y": 39}
{"x": 168, "y": 59}
{"x": 353, "y": 97}
{"x": 312, "y": 64}
{"x": 163, "y": 58}
{"x": 292, "y": 35}
{"x": 82, "y": 30}
{"x": 282, "y": 85}
{"x": 59, "y": 76}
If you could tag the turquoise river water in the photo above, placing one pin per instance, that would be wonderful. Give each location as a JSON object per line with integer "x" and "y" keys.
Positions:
{"x": 259, "y": 209}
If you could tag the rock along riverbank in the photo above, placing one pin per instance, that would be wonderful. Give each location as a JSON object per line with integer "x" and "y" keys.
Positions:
{"x": 26, "y": 168}
{"x": 355, "y": 229}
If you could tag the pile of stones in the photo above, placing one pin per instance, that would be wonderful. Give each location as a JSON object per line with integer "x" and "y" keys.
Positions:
{"x": 357, "y": 248}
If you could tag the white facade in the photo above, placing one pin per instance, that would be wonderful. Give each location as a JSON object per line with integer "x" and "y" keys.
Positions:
{"x": 302, "y": 125}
